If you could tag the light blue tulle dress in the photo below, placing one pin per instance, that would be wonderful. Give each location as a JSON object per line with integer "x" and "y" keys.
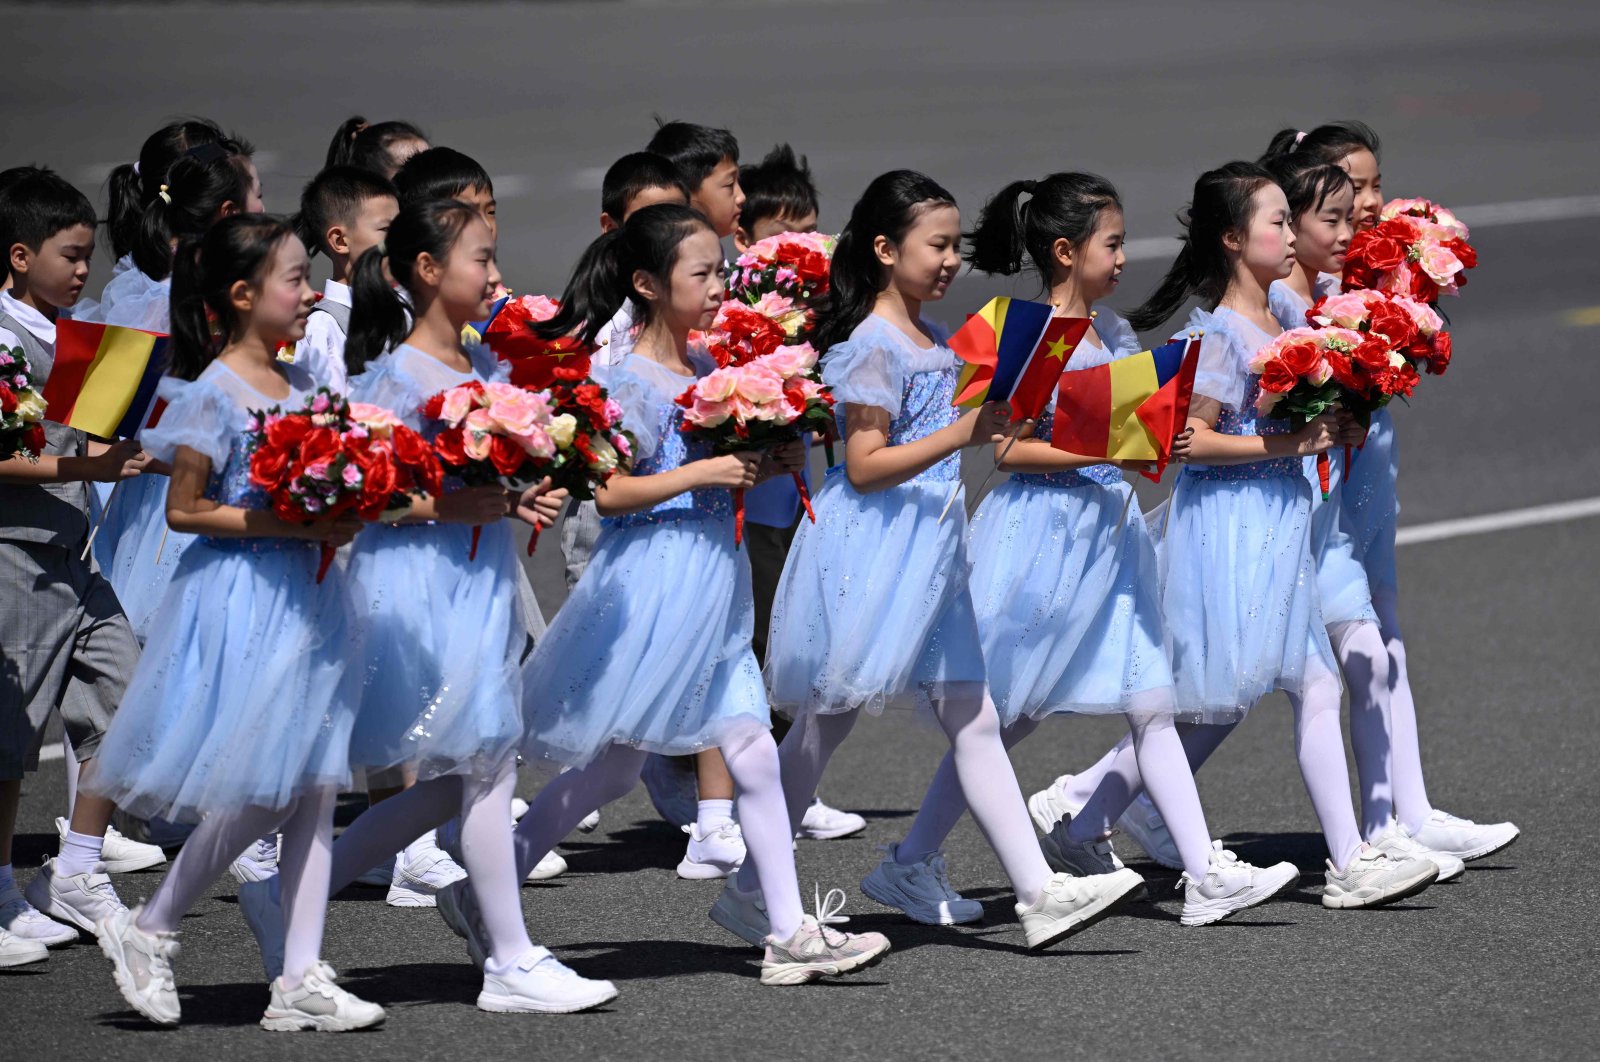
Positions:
{"x": 873, "y": 608}
{"x": 1064, "y": 581}
{"x": 1341, "y": 580}
{"x": 652, "y": 648}
{"x": 1238, "y": 582}
{"x": 444, "y": 634}
{"x": 247, "y": 688}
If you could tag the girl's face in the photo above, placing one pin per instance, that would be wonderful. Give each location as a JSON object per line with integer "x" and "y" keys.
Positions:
{"x": 1321, "y": 235}
{"x": 1097, "y": 264}
{"x": 1362, "y": 166}
{"x": 1267, "y": 248}
{"x": 925, "y": 261}
{"x": 283, "y": 299}
{"x": 695, "y": 288}
{"x": 469, "y": 275}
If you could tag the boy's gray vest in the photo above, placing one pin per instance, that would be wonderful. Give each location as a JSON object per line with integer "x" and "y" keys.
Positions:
{"x": 55, "y": 514}
{"x": 336, "y": 310}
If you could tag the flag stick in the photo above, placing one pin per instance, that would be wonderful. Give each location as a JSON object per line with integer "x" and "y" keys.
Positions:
{"x": 162, "y": 544}
{"x": 998, "y": 461}
{"x": 1127, "y": 503}
{"x": 104, "y": 509}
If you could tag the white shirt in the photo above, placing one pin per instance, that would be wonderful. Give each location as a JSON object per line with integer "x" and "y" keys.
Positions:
{"x": 615, "y": 339}
{"x": 321, "y": 350}
{"x": 42, "y": 328}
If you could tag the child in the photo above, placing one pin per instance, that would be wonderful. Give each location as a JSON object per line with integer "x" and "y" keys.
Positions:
{"x": 379, "y": 147}
{"x": 64, "y": 643}
{"x": 242, "y": 725}
{"x": 600, "y": 695}
{"x": 1064, "y": 572}
{"x": 1239, "y": 593}
{"x": 873, "y": 607}
{"x": 344, "y": 212}
{"x": 133, "y": 186}
{"x": 1392, "y": 783}
{"x": 708, "y": 159}
{"x": 779, "y": 197}
{"x": 445, "y": 173}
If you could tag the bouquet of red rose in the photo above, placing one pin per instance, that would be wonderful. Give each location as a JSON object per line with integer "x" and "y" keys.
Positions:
{"x": 21, "y": 407}
{"x": 1418, "y": 249}
{"x": 1413, "y": 328}
{"x": 756, "y": 405}
{"x": 742, "y": 333}
{"x": 1307, "y": 372}
{"x": 535, "y": 361}
{"x": 328, "y": 459}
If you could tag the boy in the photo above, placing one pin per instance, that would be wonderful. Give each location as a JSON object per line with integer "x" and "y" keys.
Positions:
{"x": 779, "y": 197}
{"x": 636, "y": 181}
{"x": 345, "y": 211}
{"x": 708, "y": 159}
{"x": 64, "y": 643}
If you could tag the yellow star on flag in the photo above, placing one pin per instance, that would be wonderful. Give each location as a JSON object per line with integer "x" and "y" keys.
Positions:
{"x": 1059, "y": 348}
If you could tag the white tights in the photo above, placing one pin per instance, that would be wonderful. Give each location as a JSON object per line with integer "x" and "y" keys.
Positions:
{"x": 1408, "y": 796}
{"x": 303, "y": 867}
{"x": 978, "y": 768}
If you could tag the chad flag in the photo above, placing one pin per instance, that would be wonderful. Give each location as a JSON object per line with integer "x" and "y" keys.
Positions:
{"x": 1015, "y": 351}
{"x": 1129, "y": 409}
{"x": 104, "y": 378}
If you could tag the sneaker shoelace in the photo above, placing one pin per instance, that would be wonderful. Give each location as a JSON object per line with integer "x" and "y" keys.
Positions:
{"x": 936, "y": 872}
{"x": 105, "y": 892}
{"x": 826, "y": 910}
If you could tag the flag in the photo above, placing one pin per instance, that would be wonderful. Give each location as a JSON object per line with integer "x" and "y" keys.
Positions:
{"x": 472, "y": 332}
{"x": 1015, "y": 351}
{"x": 1129, "y": 409}
{"x": 104, "y": 378}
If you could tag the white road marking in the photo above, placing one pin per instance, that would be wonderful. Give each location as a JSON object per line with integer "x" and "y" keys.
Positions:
{"x": 1560, "y": 512}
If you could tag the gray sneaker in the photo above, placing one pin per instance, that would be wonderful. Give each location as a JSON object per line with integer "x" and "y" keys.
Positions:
{"x": 1373, "y": 879}
{"x": 142, "y": 965}
{"x": 318, "y": 1004}
{"x": 817, "y": 951}
{"x": 921, "y": 890}
{"x": 1080, "y": 859}
{"x": 459, "y": 908}
{"x": 744, "y": 914}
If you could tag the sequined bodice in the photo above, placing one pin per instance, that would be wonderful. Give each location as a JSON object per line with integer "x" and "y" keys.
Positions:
{"x": 924, "y": 409}
{"x": 1245, "y": 422}
{"x": 231, "y": 486}
{"x": 674, "y": 451}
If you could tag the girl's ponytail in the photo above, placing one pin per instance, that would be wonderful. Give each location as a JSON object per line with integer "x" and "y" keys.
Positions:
{"x": 1173, "y": 291}
{"x": 132, "y": 186}
{"x": 188, "y": 199}
{"x": 205, "y": 267}
{"x": 124, "y": 206}
{"x": 193, "y": 345}
{"x": 594, "y": 293}
{"x": 378, "y": 320}
{"x": 996, "y": 244}
{"x": 342, "y": 150}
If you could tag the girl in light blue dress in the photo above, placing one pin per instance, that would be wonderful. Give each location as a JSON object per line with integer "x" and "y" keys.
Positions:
{"x": 1064, "y": 577}
{"x": 239, "y": 713}
{"x": 873, "y": 609}
{"x": 1238, "y": 579}
{"x": 651, "y": 652}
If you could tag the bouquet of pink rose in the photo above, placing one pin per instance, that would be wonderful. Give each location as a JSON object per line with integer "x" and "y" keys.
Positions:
{"x": 756, "y": 405}
{"x": 1418, "y": 249}
{"x": 1412, "y": 328}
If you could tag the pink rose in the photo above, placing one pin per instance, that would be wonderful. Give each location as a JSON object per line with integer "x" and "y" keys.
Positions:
{"x": 791, "y": 361}
{"x": 351, "y": 474}
{"x": 536, "y": 442}
{"x": 1440, "y": 264}
{"x": 1347, "y": 310}
{"x": 519, "y": 412}
{"x": 708, "y": 413}
{"x": 759, "y": 385}
{"x": 717, "y": 386}
{"x": 458, "y": 402}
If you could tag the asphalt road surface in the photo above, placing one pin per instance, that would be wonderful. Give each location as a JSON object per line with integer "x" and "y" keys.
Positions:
{"x": 1478, "y": 104}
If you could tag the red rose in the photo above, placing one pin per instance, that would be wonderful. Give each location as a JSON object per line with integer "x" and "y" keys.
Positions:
{"x": 1382, "y": 252}
{"x": 795, "y": 394}
{"x": 1300, "y": 358}
{"x": 8, "y": 399}
{"x": 1278, "y": 377}
{"x": 320, "y": 444}
{"x": 506, "y": 455}
{"x": 1407, "y": 378}
{"x": 1339, "y": 365}
{"x": 433, "y": 408}
{"x": 449, "y": 447}
{"x": 267, "y": 466}
{"x": 287, "y": 432}
{"x": 1394, "y": 323}
{"x": 1439, "y": 355}
{"x": 591, "y": 399}
{"x": 1372, "y": 355}
{"x": 33, "y": 438}
{"x": 1462, "y": 250}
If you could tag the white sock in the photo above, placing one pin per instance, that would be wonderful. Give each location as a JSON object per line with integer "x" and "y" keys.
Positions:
{"x": 713, "y": 813}
{"x": 8, "y": 880}
{"x": 79, "y": 853}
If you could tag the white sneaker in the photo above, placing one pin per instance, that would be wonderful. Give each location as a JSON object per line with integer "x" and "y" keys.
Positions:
{"x": 1467, "y": 840}
{"x": 1144, "y": 824}
{"x": 264, "y": 916}
{"x": 744, "y": 914}
{"x": 420, "y": 872}
{"x": 1070, "y": 905}
{"x": 714, "y": 853}
{"x": 380, "y": 876}
{"x": 550, "y": 865}
{"x": 1373, "y": 879}
{"x": 1231, "y": 885}
{"x": 1051, "y": 804}
{"x": 81, "y": 900}
{"x": 538, "y": 983}
{"x": 817, "y": 951}
{"x": 142, "y": 964}
{"x": 120, "y": 854}
{"x": 259, "y": 862}
{"x": 673, "y": 788}
{"x": 1397, "y": 841}
{"x": 20, "y": 921}
{"x": 823, "y": 823}
{"x": 921, "y": 890}
{"x": 459, "y": 909}
{"x": 590, "y": 822}
{"x": 318, "y": 1004}
{"x": 1080, "y": 859}
{"x": 20, "y": 951}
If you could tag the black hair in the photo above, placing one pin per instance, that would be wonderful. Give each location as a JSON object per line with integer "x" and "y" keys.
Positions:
{"x": 133, "y": 185}
{"x": 35, "y": 204}
{"x": 602, "y": 281}
{"x": 378, "y": 318}
{"x": 632, "y": 174}
{"x": 195, "y": 187}
{"x": 889, "y": 207}
{"x": 1221, "y": 204}
{"x": 695, "y": 149}
{"x": 205, "y": 268}
{"x": 336, "y": 195}
{"x": 371, "y": 145}
{"x": 440, "y": 173}
{"x": 1063, "y": 206}
{"x": 1332, "y": 142}
{"x": 1306, "y": 180}
{"x": 779, "y": 186}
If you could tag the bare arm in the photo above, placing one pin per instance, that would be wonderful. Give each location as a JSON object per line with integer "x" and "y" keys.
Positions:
{"x": 622, "y": 494}
{"x": 105, "y": 463}
{"x": 1211, "y": 447}
{"x": 191, "y": 512}
{"x": 872, "y": 464}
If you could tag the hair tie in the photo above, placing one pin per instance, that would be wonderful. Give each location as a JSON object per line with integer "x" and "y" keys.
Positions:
{"x": 1301, "y": 135}
{"x": 136, "y": 167}
{"x": 165, "y": 198}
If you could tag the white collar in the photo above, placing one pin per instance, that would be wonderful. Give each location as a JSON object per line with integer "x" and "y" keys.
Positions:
{"x": 334, "y": 291}
{"x": 43, "y": 329}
